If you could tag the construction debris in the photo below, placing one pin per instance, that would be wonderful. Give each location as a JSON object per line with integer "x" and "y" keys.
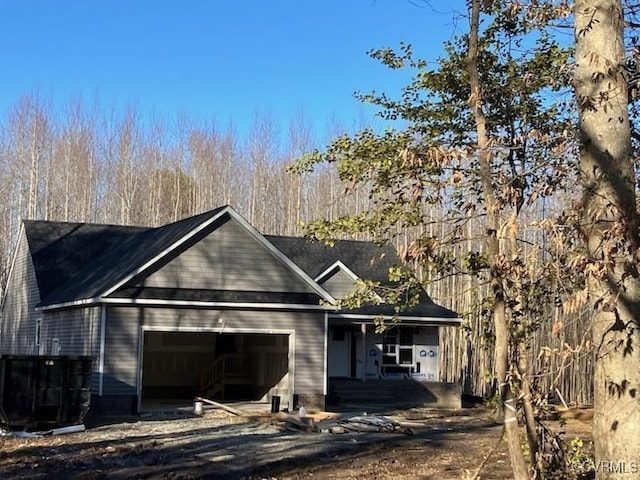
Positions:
{"x": 305, "y": 424}
{"x": 64, "y": 430}
{"x": 373, "y": 423}
{"x": 54, "y": 431}
{"x": 350, "y": 424}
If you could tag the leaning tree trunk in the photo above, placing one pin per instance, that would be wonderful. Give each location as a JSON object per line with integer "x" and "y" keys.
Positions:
{"x": 500, "y": 322}
{"x": 610, "y": 228}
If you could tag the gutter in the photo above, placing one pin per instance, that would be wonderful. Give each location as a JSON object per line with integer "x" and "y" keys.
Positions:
{"x": 180, "y": 303}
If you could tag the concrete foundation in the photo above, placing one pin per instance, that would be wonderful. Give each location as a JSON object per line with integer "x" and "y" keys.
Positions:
{"x": 310, "y": 401}
{"x": 402, "y": 393}
{"x": 114, "y": 405}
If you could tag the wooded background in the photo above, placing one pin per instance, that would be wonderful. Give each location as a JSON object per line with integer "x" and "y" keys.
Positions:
{"x": 86, "y": 163}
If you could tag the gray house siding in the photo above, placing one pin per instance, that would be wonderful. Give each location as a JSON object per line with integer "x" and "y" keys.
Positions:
{"x": 229, "y": 258}
{"x": 339, "y": 285}
{"x": 125, "y": 324}
{"x": 19, "y": 318}
{"x": 75, "y": 332}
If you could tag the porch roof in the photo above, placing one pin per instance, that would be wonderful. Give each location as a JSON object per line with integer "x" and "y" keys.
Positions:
{"x": 366, "y": 260}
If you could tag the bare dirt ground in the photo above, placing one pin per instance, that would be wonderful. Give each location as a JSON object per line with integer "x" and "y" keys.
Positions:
{"x": 218, "y": 445}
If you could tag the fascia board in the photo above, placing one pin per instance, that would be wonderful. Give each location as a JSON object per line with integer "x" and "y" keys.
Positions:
{"x": 339, "y": 265}
{"x": 183, "y": 304}
{"x": 401, "y": 319}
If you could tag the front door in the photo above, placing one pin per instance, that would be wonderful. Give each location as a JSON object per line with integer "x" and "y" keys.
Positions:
{"x": 339, "y": 352}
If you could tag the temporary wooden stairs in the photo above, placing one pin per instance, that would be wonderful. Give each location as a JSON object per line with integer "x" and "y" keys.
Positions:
{"x": 228, "y": 369}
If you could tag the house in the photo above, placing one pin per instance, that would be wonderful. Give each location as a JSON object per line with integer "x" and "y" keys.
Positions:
{"x": 208, "y": 305}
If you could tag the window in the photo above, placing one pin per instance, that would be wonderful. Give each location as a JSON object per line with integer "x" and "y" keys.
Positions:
{"x": 38, "y": 328}
{"x": 389, "y": 348}
{"x": 406, "y": 356}
{"x": 397, "y": 347}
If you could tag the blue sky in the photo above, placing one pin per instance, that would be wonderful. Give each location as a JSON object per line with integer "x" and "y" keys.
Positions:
{"x": 221, "y": 60}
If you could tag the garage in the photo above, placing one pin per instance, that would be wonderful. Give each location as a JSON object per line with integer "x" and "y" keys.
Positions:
{"x": 226, "y": 367}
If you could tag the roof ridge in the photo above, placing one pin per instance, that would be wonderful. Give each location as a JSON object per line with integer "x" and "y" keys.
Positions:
{"x": 341, "y": 240}
{"x": 87, "y": 224}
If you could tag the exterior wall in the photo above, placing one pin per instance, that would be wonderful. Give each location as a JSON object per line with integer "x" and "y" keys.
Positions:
{"x": 73, "y": 332}
{"x": 125, "y": 326}
{"x": 19, "y": 318}
{"x": 227, "y": 259}
{"x": 77, "y": 332}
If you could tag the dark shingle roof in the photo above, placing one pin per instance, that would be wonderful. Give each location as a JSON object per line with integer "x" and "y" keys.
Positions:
{"x": 78, "y": 261}
{"x": 366, "y": 259}
{"x": 60, "y": 250}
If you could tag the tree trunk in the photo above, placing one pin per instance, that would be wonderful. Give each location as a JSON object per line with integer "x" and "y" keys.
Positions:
{"x": 610, "y": 228}
{"x": 508, "y": 401}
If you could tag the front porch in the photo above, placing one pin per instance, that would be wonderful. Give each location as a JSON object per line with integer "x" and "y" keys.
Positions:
{"x": 356, "y": 351}
{"x": 382, "y": 395}
{"x": 397, "y": 368}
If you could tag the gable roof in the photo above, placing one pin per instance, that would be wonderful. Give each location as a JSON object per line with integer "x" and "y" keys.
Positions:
{"x": 79, "y": 263}
{"x": 334, "y": 269}
{"x": 366, "y": 260}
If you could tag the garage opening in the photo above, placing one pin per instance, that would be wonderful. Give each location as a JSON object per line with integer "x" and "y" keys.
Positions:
{"x": 221, "y": 366}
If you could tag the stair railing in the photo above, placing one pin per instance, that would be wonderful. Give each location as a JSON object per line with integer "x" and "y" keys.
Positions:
{"x": 228, "y": 365}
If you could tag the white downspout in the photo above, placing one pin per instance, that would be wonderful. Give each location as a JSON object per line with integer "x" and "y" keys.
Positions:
{"x": 326, "y": 355}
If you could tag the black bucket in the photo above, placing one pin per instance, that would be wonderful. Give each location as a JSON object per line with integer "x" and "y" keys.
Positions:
{"x": 41, "y": 392}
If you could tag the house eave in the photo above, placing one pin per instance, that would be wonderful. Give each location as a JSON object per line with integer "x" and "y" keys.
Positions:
{"x": 404, "y": 320}
{"x": 181, "y": 304}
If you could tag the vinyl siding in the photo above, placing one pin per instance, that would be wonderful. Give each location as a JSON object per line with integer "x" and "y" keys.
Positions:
{"x": 78, "y": 333}
{"x": 228, "y": 258}
{"x": 339, "y": 285}
{"x": 124, "y": 326}
{"x": 18, "y": 328}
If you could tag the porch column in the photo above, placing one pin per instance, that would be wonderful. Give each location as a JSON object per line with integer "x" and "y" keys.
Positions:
{"x": 363, "y": 330}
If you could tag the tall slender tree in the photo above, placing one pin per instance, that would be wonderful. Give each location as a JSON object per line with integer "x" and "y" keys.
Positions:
{"x": 610, "y": 226}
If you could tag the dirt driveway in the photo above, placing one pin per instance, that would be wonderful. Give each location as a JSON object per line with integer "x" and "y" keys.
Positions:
{"x": 222, "y": 446}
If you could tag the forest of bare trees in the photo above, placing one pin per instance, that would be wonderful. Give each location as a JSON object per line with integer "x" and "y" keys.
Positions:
{"x": 86, "y": 163}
